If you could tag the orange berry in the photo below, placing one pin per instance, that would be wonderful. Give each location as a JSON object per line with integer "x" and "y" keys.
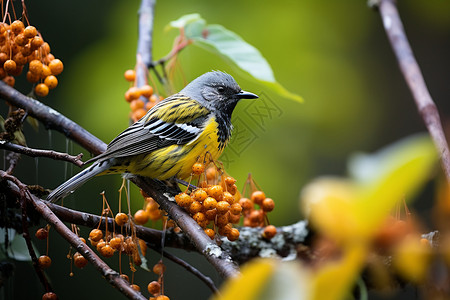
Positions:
{"x": 121, "y": 219}
{"x": 49, "y": 296}
{"x": 228, "y": 197}
{"x": 41, "y": 90}
{"x": 210, "y": 203}
{"x": 198, "y": 168}
{"x": 37, "y": 42}
{"x": 215, "y": 191}
{"x": 236, "y": 209}
{"x": 268, "y": 205}
{"x": 146, "y": 91}
{"x": 256, "y": 216}
{"x": 141, "y": 217}
{"x": 246, "y": 204}
{"x": 149, "y": 105}
{"x": 3, "y": 57}
{"x": 233, "y": 235}
{"x": 30, "y": 32}
{"x": 136, "y": 104}
{"x": 211, "y": 214}
{"x": 258, "y": 197}
{"x": 229, "y": 180}
{"x": 209, "y": 232}
{"x": 31, "y": 77}
{"x": 211, "y": 173}
{"x": 51, "y": 81}
{"x": 45, "y": 49}
{"x": 130, "y": 75}
{"x": 9, "y": 66}
{"x": 223, "y": 207}
{"x": 162, "y": 297}
{"x": 199, "y": 218}
{"x": 138, "y": 114}
{"x": 48, "y": 58}
{"x": 195, "y": 207}
{"x": 155, "y": 215}
{"x": 107, "y": 251}
{"x": 125, "y": 277}
{"x": 183, "y": 200}
{"x": 79, "y": 260}
{"x": 44, "y": 261}
{"x": 269, "y": 232}
{"x": 17, "y": 71}
{"x": 56, "y": 66}
{"x": 95, "y": 235}
{"x": 46, "y": 72}
{"x": 20, "y": 59}
{"x": 154, "y": 287}
{"x": 159, "y": 268}
{"x": 36, "y": 67}
{"x": 234, "y": 218}
{"x": 26, "y": 50}
{"x": 100, "y": 245}
{"x": 136, "y": 287}
{"x": 17, "y": 27}
{"x": 42, "y": 233}
{"x": 153, "y": 98}
{"x": 21, "y": 40}
{"x": 199, "y": 195}
{"x": 9, "y": 80}
{"x": 116, "y": 242}
{"x": 225, "y": 229}
{"x": 232, "y": 189}
{"x": 222, "y": 220}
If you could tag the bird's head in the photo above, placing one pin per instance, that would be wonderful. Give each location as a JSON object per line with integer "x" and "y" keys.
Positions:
{"x": 217, "y": 91}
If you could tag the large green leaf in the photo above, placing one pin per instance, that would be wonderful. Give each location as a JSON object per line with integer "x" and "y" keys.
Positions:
{"x": 231, "y": 47}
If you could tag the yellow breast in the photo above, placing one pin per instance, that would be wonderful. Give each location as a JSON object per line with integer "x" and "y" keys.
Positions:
{"x": 177, "y": 160}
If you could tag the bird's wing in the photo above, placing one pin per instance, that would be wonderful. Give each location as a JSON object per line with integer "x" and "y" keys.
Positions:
{"x": 170, "y": 122}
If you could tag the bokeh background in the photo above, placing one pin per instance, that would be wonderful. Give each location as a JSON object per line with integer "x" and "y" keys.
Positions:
{"x": 333, "y": 53}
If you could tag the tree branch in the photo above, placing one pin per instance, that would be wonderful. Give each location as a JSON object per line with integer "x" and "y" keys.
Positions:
{"x": 76, "y": 160}
{"x": 413, "y": 76}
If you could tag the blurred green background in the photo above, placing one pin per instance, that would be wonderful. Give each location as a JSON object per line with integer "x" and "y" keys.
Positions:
{"x": 333, "y": 53}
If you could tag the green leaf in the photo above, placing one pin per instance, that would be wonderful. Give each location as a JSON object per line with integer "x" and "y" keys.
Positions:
{"x": 231, "y": 47}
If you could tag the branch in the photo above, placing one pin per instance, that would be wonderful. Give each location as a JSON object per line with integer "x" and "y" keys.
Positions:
{"x": 76, "y": 160}
{"x": 52, "y": 119}
{"x": 144, "y": 47}
{"x": 112, "y": 276}
{"x": 413, "y": 76}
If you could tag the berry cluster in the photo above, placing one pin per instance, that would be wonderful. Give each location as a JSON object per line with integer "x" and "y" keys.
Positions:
{"x": 19, "y": 46}
{"x": 141, "y": 99}
{"x": 156, "y": 287}
{"x": 215, "y": 202}
{"x": 150, "y": 211}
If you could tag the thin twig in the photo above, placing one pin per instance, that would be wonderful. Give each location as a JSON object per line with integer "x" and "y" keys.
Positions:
{"x": 112, "y": 276}
{"x": 413, "y": 76}
{"x": 144, "y": 47}
{"x": 76, "y": 160}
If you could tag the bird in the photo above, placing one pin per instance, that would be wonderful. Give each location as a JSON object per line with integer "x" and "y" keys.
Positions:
{"x": 171, "y": 136}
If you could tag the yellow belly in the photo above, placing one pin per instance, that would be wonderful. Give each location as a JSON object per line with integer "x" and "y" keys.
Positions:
{"x": 177, "y": 160}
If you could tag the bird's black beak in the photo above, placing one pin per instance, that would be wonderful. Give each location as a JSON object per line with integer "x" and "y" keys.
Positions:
{"x": 246, "y": 95}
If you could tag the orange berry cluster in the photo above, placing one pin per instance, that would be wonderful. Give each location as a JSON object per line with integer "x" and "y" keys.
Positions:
{"x": 214, "y": 202}
{"x": 44, "y": 261}
{"x": 155, "y": 287}
{"x": 139, "y": 106}
{"x": 20, "y": 45}
{"x": 150, "y": 211}
{"x": 255, "y": 209}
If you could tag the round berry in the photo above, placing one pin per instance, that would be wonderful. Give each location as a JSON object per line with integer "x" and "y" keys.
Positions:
{"x": 209, "y": 203}
{"x": 269, "y": 232}
{"x": 51, "y": 81}
{"x": 37, "y": 42}
{"x": 154, "y": 287}
{"x": 162, "y": 297}
{"x": 268, "y": 205}
{"x": 42, "y": 233}
{"x": 116, "y": 242}
{"x": 44, "y": 261}
{"x": 31, "y": 77}
{"x": 138, "y": 114}
{"x": 95, "y": 235}
{"x": 225, "y": 229}
{"x": 211, "y": 214}
{"x": 30, "y": 32}
{"x": 222, "y": 220}
{"x": 195, "y": 207}
{"x": 46, "y": 72}
{"x": 121, "y": 219}
{"x": 146, "y": 91}
{"x": 20, "y": 40}
{"x": 9, "y": 80}
{"x": 141, "y": 217}
{"x": 45, "y": 49}
{"x": 107, "y": 251}
{"x": 223, "y": 207}
{"x": 183, "y": 199}
{"x": 56, "y": 66}
{"x": 20, "y": 59}
{"x": 36, "y": 67}
{"x": 234, "y": 218}
{"x": 10, "y": 66}
{"x": 41, "y": 90}
{"x": 136, "y": 104}
{"x": 100, "y": 245}
{"x": 153, "y": 98}
{"x": 233, "y": 235}
{"x": 215, "y": 191}
{"x": 136, "y": 287}
{"x": 246, "y": 204}
{"x": 198, "y": 168}
{"x": 26, "y": 50}
{"x": 228, "y": 197}
{"x": 79, "y": 260}
{"x": 236, "y": 209}
{"x": 125, "y": 277}
{"x": 199, "y": 217}
{"x": 49, "y": 296}
{"x": 211, "y": 173}
{"x": 258, "y": 197}
{"x": 17, "y": 27}
{"x": 130, "y": 75}
{"x": 159, "y": 268}
{"x": 199, "y": 195}
{"x": 209, "y": 232}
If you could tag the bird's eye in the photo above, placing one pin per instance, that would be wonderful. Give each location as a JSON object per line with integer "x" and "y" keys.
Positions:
{"x": 221, "y": 89}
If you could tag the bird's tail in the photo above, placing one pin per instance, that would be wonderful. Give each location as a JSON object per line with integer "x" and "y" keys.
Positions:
{"x": 79, "y": 179}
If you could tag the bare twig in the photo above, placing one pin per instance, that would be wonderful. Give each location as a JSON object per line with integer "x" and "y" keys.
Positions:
{"x": 112, "y": 276}
{"x": 52, "y": 119}
{"x": 413, "y": 76}
{"x": 144, "y": 47}
{"x": 76, "y": 160}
